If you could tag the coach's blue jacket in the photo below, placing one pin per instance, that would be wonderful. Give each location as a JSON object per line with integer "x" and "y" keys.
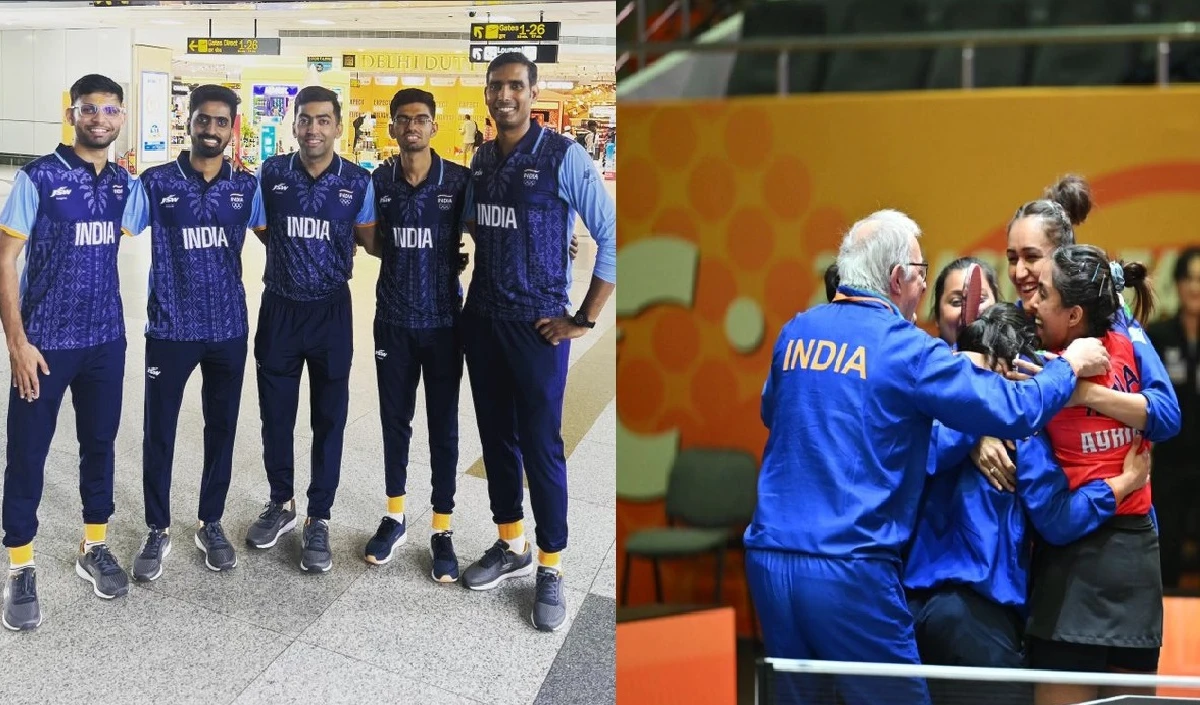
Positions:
{"x": 849, "y": 404}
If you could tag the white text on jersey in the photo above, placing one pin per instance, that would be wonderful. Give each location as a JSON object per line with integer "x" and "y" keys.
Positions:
{"x": 96, "y": 233}
{"x": 496, "y": 216}
{"x": 307, "y": 228}
{"x": 413, "y": 238}
{"x": 207, "y": 236}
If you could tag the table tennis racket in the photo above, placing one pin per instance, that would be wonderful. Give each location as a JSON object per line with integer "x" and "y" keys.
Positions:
{"x": 972, "y": 294}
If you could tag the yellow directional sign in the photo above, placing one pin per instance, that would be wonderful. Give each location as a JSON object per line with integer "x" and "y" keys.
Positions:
{"x": 516, "y": 31}
{"x": 233, "y": 45}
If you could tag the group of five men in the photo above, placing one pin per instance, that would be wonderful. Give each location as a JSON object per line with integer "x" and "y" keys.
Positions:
{"x": 311, "y": 209}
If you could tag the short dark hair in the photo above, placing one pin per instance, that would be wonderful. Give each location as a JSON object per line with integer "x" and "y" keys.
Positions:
{"x": 1185, "y": 259}
{"x": 939, "y": 285}
{"x": 413, "y": 95}
{"x": 95, "y": 83}
{"x": 1083, "y": 277}
{"x": 831, "y": 281}
{"x": 1002, "y": 333}
{"x": 513, "y": 57}
{"x": 318, "y": 94}
{"x": 211, "y": 93}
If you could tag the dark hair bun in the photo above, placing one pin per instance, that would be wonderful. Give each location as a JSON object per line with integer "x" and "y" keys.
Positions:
{"x": 1074, "y": 195}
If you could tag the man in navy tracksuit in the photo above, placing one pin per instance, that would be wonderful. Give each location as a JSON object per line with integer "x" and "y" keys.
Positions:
{"x": 853, "y": 389}
{"x": 319, "y": 207}
{"x": 527, "y": 185}
{"x": 420, "y": 200}
{"x": 65, "y": 329}
{"x": 198, "y": 208}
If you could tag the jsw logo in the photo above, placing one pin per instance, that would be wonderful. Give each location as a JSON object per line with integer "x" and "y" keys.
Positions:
{"x": 153, "y": 372}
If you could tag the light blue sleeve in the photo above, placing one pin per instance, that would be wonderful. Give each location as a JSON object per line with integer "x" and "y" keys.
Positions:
{"x": 366, "y": 215}
{"x": 258, "y": 214}
{"x": 1059, "y": 514}
{"x": 1163, "y": 418}
{"x": 20, "y": 210}
{"x": 137, "y": 209}
{"x": 579, "y": 184}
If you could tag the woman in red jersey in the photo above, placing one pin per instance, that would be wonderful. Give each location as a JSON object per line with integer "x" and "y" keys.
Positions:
{"x": 1095, "y": 604}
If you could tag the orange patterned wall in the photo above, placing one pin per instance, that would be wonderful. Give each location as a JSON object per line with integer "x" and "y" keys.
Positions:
{"x": 759, "y": 192}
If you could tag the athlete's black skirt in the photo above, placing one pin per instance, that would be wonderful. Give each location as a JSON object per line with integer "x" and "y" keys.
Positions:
{"x": 1105, "y": 589}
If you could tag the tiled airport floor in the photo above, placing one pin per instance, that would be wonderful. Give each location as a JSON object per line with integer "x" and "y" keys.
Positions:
{"x": 267, "y": 633}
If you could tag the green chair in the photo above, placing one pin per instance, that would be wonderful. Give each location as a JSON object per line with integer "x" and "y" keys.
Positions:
{"x": 711, "y": 492}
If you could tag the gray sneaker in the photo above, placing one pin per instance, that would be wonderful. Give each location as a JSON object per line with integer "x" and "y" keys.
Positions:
{"x": 315, "y": 556}
{"x": 21, "y": 609}
{"x": 550, "y": 606}
{"x": 147, "y": 564}
{"x": 275, "y": 521}
{"x": 99, "y": 567}
{"x": 498, "y": 564}
{"x": 218, "y": 552}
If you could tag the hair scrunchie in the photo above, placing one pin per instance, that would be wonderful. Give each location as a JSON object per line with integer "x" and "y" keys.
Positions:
{"x": 1118, "y": 275}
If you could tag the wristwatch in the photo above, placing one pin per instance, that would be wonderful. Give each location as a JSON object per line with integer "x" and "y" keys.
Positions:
{"x": 580, "y": 319}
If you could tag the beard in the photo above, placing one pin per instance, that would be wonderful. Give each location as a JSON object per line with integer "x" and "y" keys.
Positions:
{"x": 206, "y": 151}
{"x": 83, "y": 138}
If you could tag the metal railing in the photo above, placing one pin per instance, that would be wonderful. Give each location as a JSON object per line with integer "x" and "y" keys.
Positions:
{"x": 967, "y": 41}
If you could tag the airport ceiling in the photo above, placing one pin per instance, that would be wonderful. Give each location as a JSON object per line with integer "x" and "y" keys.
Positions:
{"x": 588, "y": 18}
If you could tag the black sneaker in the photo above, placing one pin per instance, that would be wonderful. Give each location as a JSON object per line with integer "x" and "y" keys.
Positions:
{"x": 218, "y": 552}
{"x": 445, "y": 563}
{"x": 21, "y": 608}
{"x": 550, "y": 605}
{"x": 390, "y": 536}
{"x": 275, "y": 521}
{"x": 148, "y": 563}
{"x": 498, "y": 564}
{"x": 99, "y": 567}
{"x": 315, "y": 556}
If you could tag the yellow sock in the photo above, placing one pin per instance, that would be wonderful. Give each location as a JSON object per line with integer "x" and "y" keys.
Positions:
{"x": 396, "y": 505}
{"x": 20, "y": 556}
{"x": 441, "y": 522}
{"x": 94, "y": 533}
{"x": 550, "y": 560}
{"x": 514, "y": 535}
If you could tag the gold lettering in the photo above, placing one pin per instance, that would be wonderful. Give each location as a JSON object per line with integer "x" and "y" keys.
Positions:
{"x": 837, "y": 365}
{"x": 802, "y": 353}
{"x": 788, "y": 355}
{"x": 823, "y": 346}
{"x": 858, "y": 361}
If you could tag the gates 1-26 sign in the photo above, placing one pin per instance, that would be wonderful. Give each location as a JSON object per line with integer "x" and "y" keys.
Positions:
{"x": 537, "y": 53}
{"x": 515, "y": 31}
{"x": 233, "y": 45}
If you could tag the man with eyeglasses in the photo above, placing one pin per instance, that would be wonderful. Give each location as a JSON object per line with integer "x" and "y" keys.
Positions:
{"x": 420, "y": 200}
{"x": 527, "y": 187}
{"x": 849, "y": 404}
{"x": 319, "y": 207}
{"x": 198, "y": 208}
{"x": 66, "y": 330}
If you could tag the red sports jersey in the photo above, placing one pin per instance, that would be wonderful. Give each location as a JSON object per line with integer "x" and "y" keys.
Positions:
{"x": 1091, "y": 446}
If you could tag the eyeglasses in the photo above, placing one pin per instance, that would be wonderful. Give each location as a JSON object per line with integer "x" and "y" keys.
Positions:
{"x": 923, "y": 266}
{"x": 92, "y": 110}
{"x": 203, "y": 120}
{"x": 420, "y": 120}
